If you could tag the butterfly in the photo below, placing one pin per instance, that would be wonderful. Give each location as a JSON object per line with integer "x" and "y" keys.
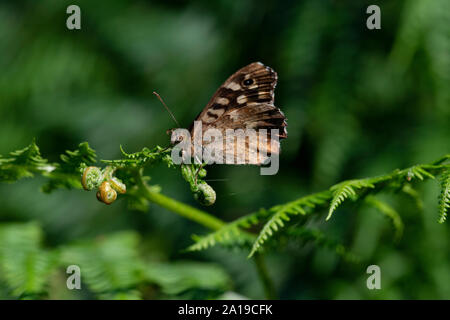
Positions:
{"x": 244, "y": 101}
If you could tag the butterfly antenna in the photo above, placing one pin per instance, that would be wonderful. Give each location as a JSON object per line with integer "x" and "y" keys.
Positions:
{"x": 167, "y": 108}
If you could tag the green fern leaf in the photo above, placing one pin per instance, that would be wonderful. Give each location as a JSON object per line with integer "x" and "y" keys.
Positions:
{"x": 231, "y": 233}
{"x": 345, "y": 190}
{"x": 74, "y": 161}
{"x": 22, "y": 163}
{"x": 444, "y": 198}
{"x": 142, "y": 158}
{"x": 281, "y": 215}
{"x": 418, "y": 172}
{"x": 67, "y": 173}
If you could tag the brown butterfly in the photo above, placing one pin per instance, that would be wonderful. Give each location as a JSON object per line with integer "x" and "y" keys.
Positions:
{"x": 245, "y": 101}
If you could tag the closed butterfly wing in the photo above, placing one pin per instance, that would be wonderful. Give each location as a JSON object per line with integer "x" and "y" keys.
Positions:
{"x": 245, "y": 101}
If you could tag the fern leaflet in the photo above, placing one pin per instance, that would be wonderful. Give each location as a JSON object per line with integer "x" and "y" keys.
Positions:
{"x": 345, "y": 190}
{"x": 281, "y": 215}
{"x": 444, "y": 198}
{"x": 22, "y": 163}
{"x": 230, "y": 233}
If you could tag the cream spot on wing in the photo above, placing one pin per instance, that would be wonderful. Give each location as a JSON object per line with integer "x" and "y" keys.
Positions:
{"x": 212, "y": 115}
{"x": 233, "y": 86}
{"x": 222, "y": 101}
{"x": 217, "y": 112}
{"x": 241, "y": 99}
{"x": 263, "y": 94}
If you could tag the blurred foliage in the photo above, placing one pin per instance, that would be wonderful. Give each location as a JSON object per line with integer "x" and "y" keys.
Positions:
{"x": 359, "y": 103}
{"x": 111, "y": 268}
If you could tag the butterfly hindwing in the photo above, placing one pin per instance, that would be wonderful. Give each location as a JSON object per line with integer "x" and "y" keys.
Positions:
{"x": 255, "y": 116}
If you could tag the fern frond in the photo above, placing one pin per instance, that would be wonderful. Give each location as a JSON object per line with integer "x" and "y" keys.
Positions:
{"x": 348, "y": 189}
{"x": 418, "y": 172}
{"x": 232, "y": 232}
{"x": 73, "y": 161}
{"x": 229, "y": 237}
{"x": 22, "y": 163}
{"x": 444, "y": 197}
{"x": 345, "y": 190}
{"x": 67, "y": 173}
{"x": 281, "y": 213}
{"x": 389, "y": 212}
{"x": 142, "y": 158}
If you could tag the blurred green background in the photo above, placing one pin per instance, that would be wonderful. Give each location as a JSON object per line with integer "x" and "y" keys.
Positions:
{"x": 359, "y": 102}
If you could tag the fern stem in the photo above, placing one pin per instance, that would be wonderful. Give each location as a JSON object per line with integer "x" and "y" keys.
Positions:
{"x": 184, "y": 210}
